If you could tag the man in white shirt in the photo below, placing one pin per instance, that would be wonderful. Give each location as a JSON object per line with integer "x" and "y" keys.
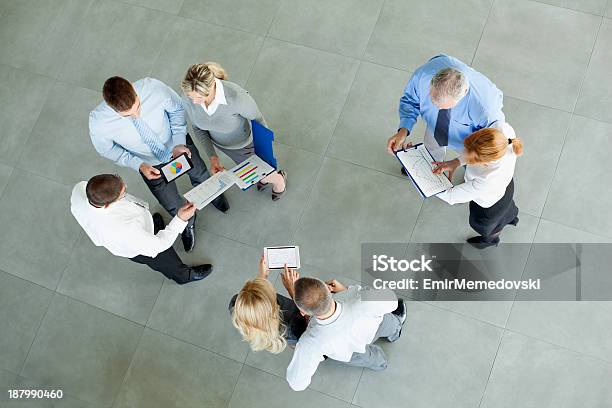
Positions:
{"x": 123, "y": 224}
{"x": 143, "y": 126}
{"x": 342, "y": 326}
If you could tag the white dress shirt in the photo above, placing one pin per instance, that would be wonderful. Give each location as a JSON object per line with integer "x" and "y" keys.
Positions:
{"x": 485, "y": 184}
{"x": 219, "y": 99}
{"x": 352, "y": 326}
{"x": 116, "y": 138}
{"x": 125, "y": 227}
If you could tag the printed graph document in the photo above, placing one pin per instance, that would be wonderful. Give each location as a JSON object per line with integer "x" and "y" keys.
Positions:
{"x": 418, "y": 164}
{"x": 203, "y": 194}
{"x": 251, "y": 171}
{"x": 278, "y": 257}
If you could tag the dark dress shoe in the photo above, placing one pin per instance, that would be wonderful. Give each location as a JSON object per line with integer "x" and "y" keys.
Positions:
{"x": 400, "y": 311}
{"x": 514, "y": 222}
{"x": 404, "y": 172}
{"x": 199, "y": 272}
{"x": 188, "y": 238}
{"x": 221, "y": 203}
{"x": 158, "y": 223}
{"x": 481, "y": 243}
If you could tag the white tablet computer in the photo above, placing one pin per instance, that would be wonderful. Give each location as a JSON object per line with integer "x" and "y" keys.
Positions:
{"x": 278, "y": 257}
{"x": 176, "y": 167}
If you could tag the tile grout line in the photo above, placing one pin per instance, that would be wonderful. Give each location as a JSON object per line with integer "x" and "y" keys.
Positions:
{"x": 492, "y": 366}
{"x": 125, "y": 375}
{"x": 484, "y": 26}
{"x": 324, "y": 156}
{"x": 365, "y": 49}
{"x": 42, "y": 319}
{"x": 586, "y": 70}
{"x": 231, "y": 395}
{"x": 570, "y": 9}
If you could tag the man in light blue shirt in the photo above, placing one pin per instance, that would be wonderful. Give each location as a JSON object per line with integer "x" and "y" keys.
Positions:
{"x": 453, "y": 99}
{"x": 142, "y": 126}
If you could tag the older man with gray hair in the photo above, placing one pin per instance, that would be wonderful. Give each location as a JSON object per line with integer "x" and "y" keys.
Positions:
{"x": 453, "y": 99}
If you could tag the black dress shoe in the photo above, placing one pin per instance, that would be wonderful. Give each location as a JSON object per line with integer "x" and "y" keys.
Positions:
{"x": 188, "y": 238}
{"x": 158, "y": 222}
{"x": 404, "y": 172}
{"x": 400, "y": 311}
{"x": 199, "y": 272}
{"x": 514, "y": 222}
{"x": 480, "y": 242}
{"x": 221, "y": 203}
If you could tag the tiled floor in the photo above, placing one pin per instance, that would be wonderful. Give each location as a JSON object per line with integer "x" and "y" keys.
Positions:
{"x": 327, "y": 76}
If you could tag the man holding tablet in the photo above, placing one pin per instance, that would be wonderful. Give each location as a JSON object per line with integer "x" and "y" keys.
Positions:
{"x": 143, "y": 126}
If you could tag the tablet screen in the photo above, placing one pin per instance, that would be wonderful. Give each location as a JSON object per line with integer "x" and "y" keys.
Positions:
{"x": 278, "y": 257}
{"x": 176, "y": 167}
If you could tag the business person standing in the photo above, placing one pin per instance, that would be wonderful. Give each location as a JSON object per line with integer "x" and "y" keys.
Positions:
{"x": 143, "y": 126}
{"x": 123, "y": 224}
{"x": 453, "y": 99}
{"x": 220, "y": 113}
{"x": 490, "y": 155}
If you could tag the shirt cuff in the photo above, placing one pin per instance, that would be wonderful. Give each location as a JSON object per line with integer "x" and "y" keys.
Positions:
{"x": 407, "y": 123}
{"x": 177, "y": 224}
{"x": 135, "y": 163}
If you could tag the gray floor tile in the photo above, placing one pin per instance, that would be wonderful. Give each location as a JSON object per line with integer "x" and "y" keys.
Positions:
{"x": 300, "y": 92}
{"x": 552, "y": 232}
{"x": 166, "y": 372}
{"x": 114, "y": 284}
{"x": 5, "y": 175}
{"x": 198, "y": 312}
{"x": 35, "y": 213}
{"x": 235, "y": 50}
{"x": 588, "y": 6}
{"x": 22, "y": 307}
{"x": 118, "y": 39}
{"x": 62, "y": 131}
{"x": 577, "y": 198}
{"x": 37, "y": 34}
{"x": 437, "y": 216}
{"x": 23, "y": 95}
{"x": 541, "y": 56}
{"x": 596, "y": 93}
{"x": 608, "y": 12}
{"x": 342, "y": 26}
{"x": 253, "y": 217}
{"x": 375, "y": 95}
{"x": 423, "y": 359}
{"x": 341, "y": 215}
{"x": 530, "y": 373}
{"x": 244, "y": 15}
{"x": 82, "y": 350}
{"x": 403, "y": 37}
{"x": 579, "y": 326}
{"x": 543, "y": 132}
{"x": 169, "y": 6}
{"x": 254, "y": 384}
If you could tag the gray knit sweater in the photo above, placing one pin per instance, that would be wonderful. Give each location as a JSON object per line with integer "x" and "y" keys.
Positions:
{"x": 230, "y": 126}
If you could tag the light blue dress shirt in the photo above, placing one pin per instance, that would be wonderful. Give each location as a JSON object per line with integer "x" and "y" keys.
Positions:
{"x": 480, "y": 108}
{"x": 116, "y": 138}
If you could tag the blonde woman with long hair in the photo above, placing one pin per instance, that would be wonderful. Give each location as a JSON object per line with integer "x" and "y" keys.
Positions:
{"x": 220, "y": 113}
{"x": 265, "y": 319}
{"x": 490, "y": 155}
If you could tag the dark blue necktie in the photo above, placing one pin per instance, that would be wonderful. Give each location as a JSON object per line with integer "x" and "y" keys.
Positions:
{"x": 442, "y": 124}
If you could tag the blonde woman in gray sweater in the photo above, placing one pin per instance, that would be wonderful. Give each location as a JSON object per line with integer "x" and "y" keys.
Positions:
{"x": 220, "y": 113}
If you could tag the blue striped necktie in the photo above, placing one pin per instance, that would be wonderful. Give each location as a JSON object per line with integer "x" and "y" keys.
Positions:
{"x": 442, "y": 125}
{"x": 152, "y": 140}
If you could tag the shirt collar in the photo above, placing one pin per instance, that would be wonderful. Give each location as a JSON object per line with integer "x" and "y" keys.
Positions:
{"x": 333, "y": 317}
{"x": 219, "y": 98}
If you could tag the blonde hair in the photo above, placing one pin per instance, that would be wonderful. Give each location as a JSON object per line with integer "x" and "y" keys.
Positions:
{"x": 489, "y": 144}
{"x": 257, "y": 317}
{"x": 200, "y": 78}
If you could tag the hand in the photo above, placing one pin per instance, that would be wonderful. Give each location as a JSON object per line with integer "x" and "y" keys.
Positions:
{"x": 215, "y": 165}
{"x": 289, "y": 276}
{"x": 335, "y": 286}
{"x": 150, "y": 172}
{"x": 180, "y": 149}
{"x": 398, "y": 141}
{"x": 186, "y": 211}
{"x": 449, "y": 166}
{"x": 264, "y": 272}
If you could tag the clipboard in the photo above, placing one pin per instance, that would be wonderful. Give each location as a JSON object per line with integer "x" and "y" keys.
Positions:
{"x": 436, "y": 183}
{"x": 262, "y": 142}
